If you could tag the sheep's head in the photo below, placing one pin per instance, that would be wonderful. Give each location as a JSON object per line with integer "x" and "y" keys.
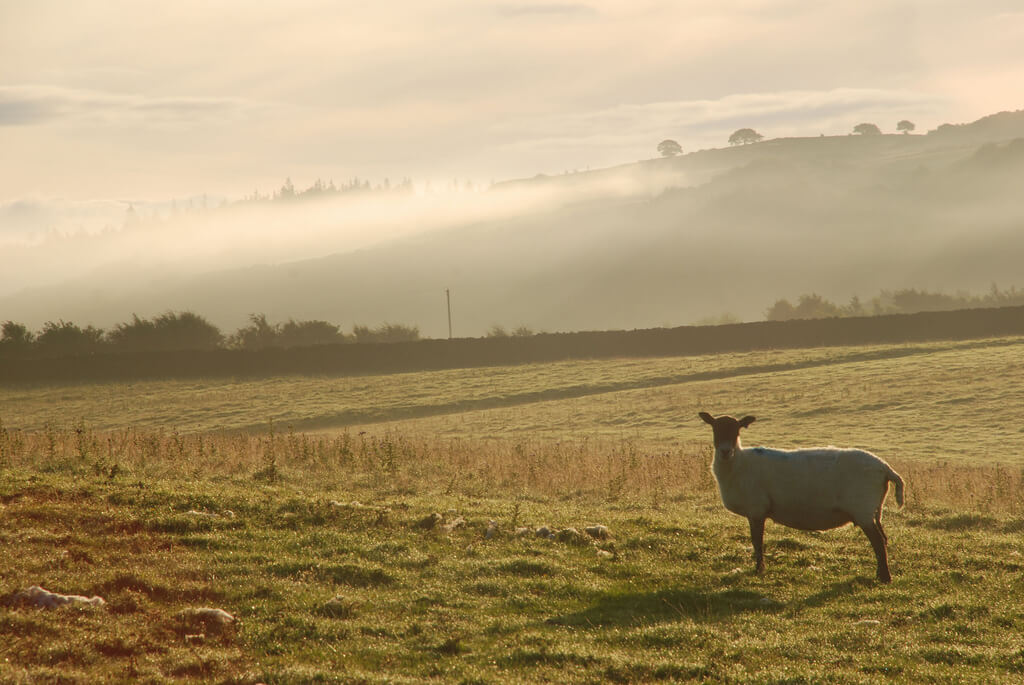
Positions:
{"x": 726, "y": 432}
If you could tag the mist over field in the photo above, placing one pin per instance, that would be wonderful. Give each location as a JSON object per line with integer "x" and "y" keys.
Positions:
{"x": 672, "y": 241}
{"x": 157, "y": 158}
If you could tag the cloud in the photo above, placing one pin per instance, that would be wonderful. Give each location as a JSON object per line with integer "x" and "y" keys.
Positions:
{"x": 228, "y": 97}
{"x": 546, "y": 9}
{"x": 41, "y": 104}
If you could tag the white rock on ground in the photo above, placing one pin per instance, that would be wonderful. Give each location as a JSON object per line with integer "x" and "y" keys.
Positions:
{"x": 459, "y": 522}
{"x": 37, "y": 596}
{"x": 207, "y": 615}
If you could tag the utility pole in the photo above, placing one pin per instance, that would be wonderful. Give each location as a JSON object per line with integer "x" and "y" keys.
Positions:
{"x": 448, "y": 296}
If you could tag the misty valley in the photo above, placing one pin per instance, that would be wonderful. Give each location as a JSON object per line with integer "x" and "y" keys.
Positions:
{"x": 711, "y": 236}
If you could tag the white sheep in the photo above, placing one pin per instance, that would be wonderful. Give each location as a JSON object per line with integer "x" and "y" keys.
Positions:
{"x": 809, "y": 489}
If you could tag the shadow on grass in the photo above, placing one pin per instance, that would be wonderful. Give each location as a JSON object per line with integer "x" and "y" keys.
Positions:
{"x": 834, "y": 592}
{"x": 635, "y": 608}
{"x": 961, "y": 522}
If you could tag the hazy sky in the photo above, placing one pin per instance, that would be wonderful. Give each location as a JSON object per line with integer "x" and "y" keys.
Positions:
{"x": 131, "y": 99}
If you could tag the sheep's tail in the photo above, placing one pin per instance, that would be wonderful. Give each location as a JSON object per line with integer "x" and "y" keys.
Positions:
{"x": 897, "y": 481}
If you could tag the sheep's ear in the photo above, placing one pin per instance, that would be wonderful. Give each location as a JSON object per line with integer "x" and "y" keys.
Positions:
{"x": 746, "y": 421}
{"x": 707, "y": 417}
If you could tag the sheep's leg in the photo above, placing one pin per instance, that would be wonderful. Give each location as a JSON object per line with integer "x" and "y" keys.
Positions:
{"x": 757, "y": 538}
{"x": 877, "y": 537}
{"x": 878, "y": 524}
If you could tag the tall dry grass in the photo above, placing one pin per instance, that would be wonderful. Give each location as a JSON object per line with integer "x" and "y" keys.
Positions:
{"x": 395, "y": 462}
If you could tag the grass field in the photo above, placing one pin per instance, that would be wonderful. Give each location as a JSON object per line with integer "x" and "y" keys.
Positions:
{"x": 324, "y": 547}
{"x": 937, "y": 401}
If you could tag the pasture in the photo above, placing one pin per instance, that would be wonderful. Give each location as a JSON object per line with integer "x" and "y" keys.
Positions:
{"x": 305, "y": 508}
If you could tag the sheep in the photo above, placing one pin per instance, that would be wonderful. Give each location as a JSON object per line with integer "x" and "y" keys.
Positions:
{"x": 809, "y": 489}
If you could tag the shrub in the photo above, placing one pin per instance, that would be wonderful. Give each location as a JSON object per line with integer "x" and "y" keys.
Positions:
{"x": 169, "y": 331}
{"x": 64, "y": 338}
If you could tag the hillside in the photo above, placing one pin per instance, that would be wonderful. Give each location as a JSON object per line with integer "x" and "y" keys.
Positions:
{"x": 660, "y": 242}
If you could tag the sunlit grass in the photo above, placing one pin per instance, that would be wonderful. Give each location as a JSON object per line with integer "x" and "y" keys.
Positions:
{"x": 324, "y": 546}
{"x": 941, "y": 400}
{"x": 318, "y": 545}
{"x": 959, "y": 403}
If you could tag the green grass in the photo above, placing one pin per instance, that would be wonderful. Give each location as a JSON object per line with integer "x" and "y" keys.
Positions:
{"x": 646, "y": 397}
{"x": 959, "y": 402}
{"x": 324, "y": 547}
{"x": 330, "y": 591}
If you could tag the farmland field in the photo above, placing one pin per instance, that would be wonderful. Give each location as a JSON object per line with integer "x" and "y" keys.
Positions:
{"x": 899, "y": 400}
{"x": 306, "y": 507}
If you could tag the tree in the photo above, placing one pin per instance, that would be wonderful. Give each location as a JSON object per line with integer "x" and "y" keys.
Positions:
{"x": 811, "y": 306}
{"x": 906, "y": 126}
{"x": 669, "y": 148}
{"x": 499, "y": 331}
{"x": 170, "y": 331}
{"x": 867, "y": 129}
{"x": 258, "y": 335}
{"x": 187, "y": 331}
{"x": 287, "y": 190}
{"x": 139, "y": 334}
{"x": 307, "y": 333}
{"x": 745, "y": 136}
{"x": 65, "y": 338}
{"x": 16, "y": 339}
{"x": 386, "y": 332}
{"x": 782, "y": 310}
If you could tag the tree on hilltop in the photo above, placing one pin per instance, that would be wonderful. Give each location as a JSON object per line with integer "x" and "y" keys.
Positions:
{"x": 867, "y": 129}
{"x": 669, "y": 148}
{"x": 745, "y": 136}
{"x": 906, "y": 126}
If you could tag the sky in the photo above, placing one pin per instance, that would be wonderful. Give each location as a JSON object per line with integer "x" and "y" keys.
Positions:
{"x": 107, "y": 102}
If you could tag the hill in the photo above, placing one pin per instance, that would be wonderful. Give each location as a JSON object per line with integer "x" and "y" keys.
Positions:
{"x": 658, "y": 242}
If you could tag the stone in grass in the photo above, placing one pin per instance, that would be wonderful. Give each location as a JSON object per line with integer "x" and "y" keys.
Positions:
{"x": 454, "y": 524}
{"x": 39, "y": 597}
{"x": 338, "y": 607}
{"x": 430, "y": 522}
{"x": 545, "y": 532}
{"x": 213, "y": 620}
{"x": 571, "y": 536}
{"x": 522, "y": 532}
{"x": 356, "y": 505}
{"x": 598, "y": 532}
